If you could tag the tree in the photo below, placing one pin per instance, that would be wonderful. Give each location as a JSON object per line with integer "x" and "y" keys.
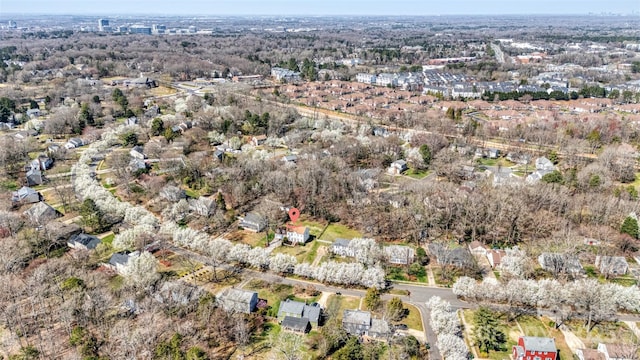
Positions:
{"x": 554, "y": 177}
{"x": 486, "y": 332}
{"x": 352, "y": 350}
{"x": 120, "y": 98}
{"x": 86, "y": 115}
{"x": 157, "y": 127}
{"x": 141, "y": 271}
{"x": 92, "y": 216}
{"x": 630, "y": 227}
{"x": 372, "y": 299}
{"x": 129, "y": 138}
{"x": 425, "y": 151}
{"x": 395, "y": 310}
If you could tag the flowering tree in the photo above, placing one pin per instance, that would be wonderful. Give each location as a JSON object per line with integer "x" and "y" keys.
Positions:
{"x": 141, "y": 271}
{"x": 282, "y": 263}
{"x": 446, "y": 325}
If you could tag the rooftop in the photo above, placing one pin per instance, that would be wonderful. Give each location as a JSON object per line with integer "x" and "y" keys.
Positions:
{"x": 238, "y": 295}
{"x": 532, "y": 343}
{"x": 356, "y": 317}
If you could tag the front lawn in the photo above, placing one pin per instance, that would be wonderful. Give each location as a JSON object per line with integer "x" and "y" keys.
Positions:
{"x": 299, "y": 251}
{"x": 606, "y": 332}
{"x": 337, "y": 304}
{"x": 339, "y": 231}
{"x": 413, "y": 319}
{"x": 417, "y": 174}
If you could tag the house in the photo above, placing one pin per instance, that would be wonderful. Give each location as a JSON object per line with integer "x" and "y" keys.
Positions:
{"x": 477, "y": 248}
{"x": 296, "y": 325}
{"x": 26, "y": 195}
{"x": 238, "y": 300}
{"x": 543, "y": 166}
{"x": 74, "y": 143}
{"x": 612, "y": 265}
{"x": 495, "y": 257}
{"x": 33, "y": 113}
{"x": 52, "y": 149}
{"x": 41, "y": 213}
{"x": 60, "y": 232}
{"x": 290, "y": 159}
{"x": 119, "y": 261}
{"x": 42, "y": 162}
{"x": 297, "y": 234}
{"x": 618, "y": 351}
{"x": 218, "y": 154}
{"x": 83, "y": 241}
{"x": 203, "y": 206}
{"x": 560, "y": 263}
{"x": 400, "y": 255}
{"x": 137, "y": 152}
{"x": 136, "y": 164}
{"x": 589, "y": 354}
{"x": 258, "y": 140}
{"x": 358, "y": 323}
{"x": 131, "y": 121}
{"x": 380, "y": 131}
{"x": 297, "y": 309}
{"x": 493, "y": 153}
{"x": 458, "y": 257}
{"x": 397, "y": 167}
{"x": 342, "y": 247}
{"x": 379, "y": 329}
{"x": 34, "y": 177}
{"x": 253, "y": 222}
{"x": 535, "y": 348}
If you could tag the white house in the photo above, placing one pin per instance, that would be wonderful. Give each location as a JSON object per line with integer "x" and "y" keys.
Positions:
{"x": 397, "y": 167}
{"x": 617, "y": 351}
{"x": 398, "y": 254}
{"x": 298, "y": 234}
{"x": 119, "y": 261}
{"x": 74, "y": 143}
{"x": 366, "y": 78}
{"x": 238, "y": 300}
{"x": 342, "y": 247}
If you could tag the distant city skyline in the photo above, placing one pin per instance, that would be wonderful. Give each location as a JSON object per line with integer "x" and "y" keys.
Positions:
{"x": 326, "y": 7}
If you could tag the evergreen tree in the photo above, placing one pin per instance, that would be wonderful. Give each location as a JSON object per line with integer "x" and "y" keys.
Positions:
{"x": 395, "y": 309}
{"x": 372, "y": 299}
{"x": 425, "y": 151}
{"x": 486, "y": 332}
{"x": 92, "y": 216}
{"x": 630, "y": 227}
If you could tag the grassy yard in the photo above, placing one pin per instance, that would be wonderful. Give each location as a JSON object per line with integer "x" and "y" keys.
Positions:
{"x": 417, "y": 174}
{"x": 174, "y": 265}
{"x": 511, "y": 331}
{"x": 315, "y": 227}
{"x": 495, "y": 162}
{"x": 532, "y": 326}
{"x": 337, "y": 304}
{"x": 413, "y": 319}
{"x": 336, "y": 231}
{"x": 300, "y": 252}
{"x": 523, "y": 326}
{"x": 9, "y": 185}
{"x": 249, "y": 237}
{"x": 606, "y": 332}
{"x": 311, "y": 255}
{"x": 59, "y": 169}
{"x": 276, "y": 293}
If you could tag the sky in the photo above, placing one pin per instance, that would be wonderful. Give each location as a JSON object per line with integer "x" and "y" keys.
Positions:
{"x": 318, "y": 7}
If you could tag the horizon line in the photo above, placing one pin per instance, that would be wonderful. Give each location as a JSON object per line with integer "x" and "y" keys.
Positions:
{"x": 633, "y": 13}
